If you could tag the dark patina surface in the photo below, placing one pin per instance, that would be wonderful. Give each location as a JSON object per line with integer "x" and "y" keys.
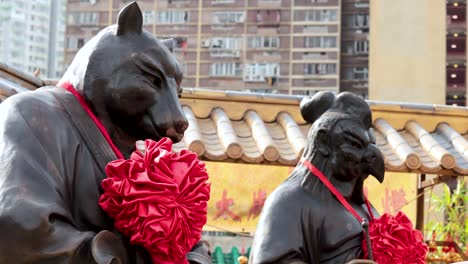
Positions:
{"x": 302, "y": 221}
{"x": 52, "y": 156}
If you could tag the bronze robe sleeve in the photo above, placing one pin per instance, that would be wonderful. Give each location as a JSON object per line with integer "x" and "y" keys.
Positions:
{"x": 285, "y": 233}
{"x": 291, "y": 228}
{"x": 49, "y": 185}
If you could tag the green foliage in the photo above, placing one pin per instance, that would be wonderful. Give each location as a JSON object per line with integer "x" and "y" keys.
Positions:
{"x": 454, "y": 206}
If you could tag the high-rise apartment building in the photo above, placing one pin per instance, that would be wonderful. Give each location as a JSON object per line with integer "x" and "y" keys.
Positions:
{"x": 32, "y": 35}
{"x": 354, "y": 62}
{"x": 456, "y": 53}
{"x": 283, "y": 46}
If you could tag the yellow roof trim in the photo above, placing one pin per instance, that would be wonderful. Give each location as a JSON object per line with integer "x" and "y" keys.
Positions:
{"x": 268, "y": 106}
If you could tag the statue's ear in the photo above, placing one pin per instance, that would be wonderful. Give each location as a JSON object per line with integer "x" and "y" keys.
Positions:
{"x": 313, "y": 107}
{"x": 169, "y": 43}
{"x": 321, "y": 143}
{"x": 130, "y": 20}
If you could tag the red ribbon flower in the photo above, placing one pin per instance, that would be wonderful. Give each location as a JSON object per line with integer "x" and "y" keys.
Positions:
{"x": 158, "y": 200}
{"x": 394, "y": 240}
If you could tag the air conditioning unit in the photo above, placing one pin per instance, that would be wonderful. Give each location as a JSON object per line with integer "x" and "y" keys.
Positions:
{"x": 236, "y": 53}
{"x": 205, "y": 43}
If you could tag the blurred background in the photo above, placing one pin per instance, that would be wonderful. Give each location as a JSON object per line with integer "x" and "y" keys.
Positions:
{"x": 399, "y": 50}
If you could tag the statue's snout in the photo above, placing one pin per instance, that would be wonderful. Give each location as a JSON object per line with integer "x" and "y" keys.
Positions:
{"x": 374, "y": 162}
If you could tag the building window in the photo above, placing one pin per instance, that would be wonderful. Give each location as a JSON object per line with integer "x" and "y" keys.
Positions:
{"x": 361, "y": 20}
{"x": 72, "y": 43}
{"x": 355, "y": 73}
{"x": 360, "y": 73}
{"x": 264, "y": 42}
{"x": 347, "y": 47}
{"x": 356, "y": 47}
{"x": 456, "y": 14}
{"x": 361, "y": 47}
{"x": 81, "y": 42}
{"x": 303, "y": 91}
{"x": 177, "y": 1}
{"x": 258, "y": 72}
{"x": 268, "y": 17}
{"x": 321, "y": 15}
{"x": 184, "y": 67}
{"x": 225, "y": 47}
{"x": 148, "y": 17}
{"x": 456, "y": 44}
{"x": 228, "y": 17}
{"x": 225, "y": 69}
{"x": 316, "y": 29}
{"x": 172, "y": 17}
{"x": 222, "y": 1}
{"x": 269, "y": 1}
{"x": 361, "y": 5}
{"x": 456, "y": 76}
{"x": 225, "y": 43}
{"x": 320, "y": 42}
{"x": 356, "y": 21}
{"x": 75, "y": 43}
{"x": 320, "y": 68}
{"x": 83, "y": 18}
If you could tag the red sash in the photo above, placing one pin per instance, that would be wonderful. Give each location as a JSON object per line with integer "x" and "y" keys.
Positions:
{"x": 343, "y": 201}
{"x": 69, "y": 87}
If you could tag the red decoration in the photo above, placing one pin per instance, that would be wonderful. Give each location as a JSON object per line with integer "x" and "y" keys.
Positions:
{"x": 158, "y": 199}
{"x": 259, "y": 199}
{"x": 394, "y": 240}
{"x": 69, "y": 87}
{"x": 224, "y": 209}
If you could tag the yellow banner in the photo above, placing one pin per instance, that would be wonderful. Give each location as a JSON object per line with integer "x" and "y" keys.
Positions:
{"x": 238, "y": 192}
{"x": 397, "y": 192}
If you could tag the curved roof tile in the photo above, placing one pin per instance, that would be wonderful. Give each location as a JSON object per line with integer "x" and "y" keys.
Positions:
{"x": 245, "y": 131}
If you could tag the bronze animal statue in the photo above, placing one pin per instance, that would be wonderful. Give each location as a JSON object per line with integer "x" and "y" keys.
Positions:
{"x": 52, "y": 155}
{"x": 302, "y": 221}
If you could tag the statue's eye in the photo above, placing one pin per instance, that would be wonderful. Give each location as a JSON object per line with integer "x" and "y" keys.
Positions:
{"x": 356, "y": 144}
{"x": 354, "y": 141}
{"x": 157, "y": 82}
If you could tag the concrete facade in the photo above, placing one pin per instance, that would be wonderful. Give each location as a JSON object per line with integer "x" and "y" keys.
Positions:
{"x": 407, "y": 51}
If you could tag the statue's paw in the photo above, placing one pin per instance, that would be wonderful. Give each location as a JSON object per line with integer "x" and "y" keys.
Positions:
{"x": 200, "y": 253}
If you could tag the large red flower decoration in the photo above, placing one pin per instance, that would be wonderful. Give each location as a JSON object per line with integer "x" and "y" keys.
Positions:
{"x": 394, "y": 240}
{"x": 158, "y": 200}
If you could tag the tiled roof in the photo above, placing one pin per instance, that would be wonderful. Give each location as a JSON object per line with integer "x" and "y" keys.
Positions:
{"x": 268, "y": 129}
{"x": 13, "y": 81}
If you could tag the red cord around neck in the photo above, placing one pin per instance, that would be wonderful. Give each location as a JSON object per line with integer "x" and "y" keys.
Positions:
{"x": 69, "y": 87}
{"x": 335, "y": 192}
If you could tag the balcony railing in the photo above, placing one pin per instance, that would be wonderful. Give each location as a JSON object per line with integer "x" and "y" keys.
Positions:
{"x": 225, "y": 53}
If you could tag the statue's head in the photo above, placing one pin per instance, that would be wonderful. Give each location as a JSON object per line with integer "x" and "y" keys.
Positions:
{"x": 131, "y": 78}
{"x": 341, "y": 139}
